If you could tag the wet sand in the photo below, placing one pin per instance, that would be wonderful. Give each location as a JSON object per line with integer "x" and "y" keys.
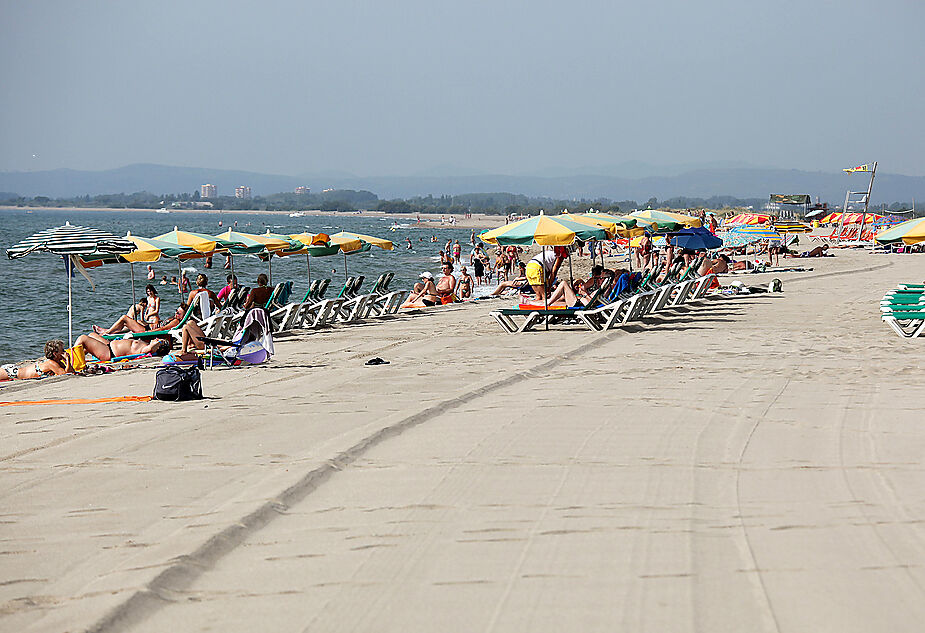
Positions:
{"x": 750, "y": 464}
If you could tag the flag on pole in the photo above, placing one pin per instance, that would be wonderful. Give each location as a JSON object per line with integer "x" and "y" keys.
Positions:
{"x": 851, "y": 170}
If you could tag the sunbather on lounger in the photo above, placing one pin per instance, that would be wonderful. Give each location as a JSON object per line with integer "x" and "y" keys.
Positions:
{"x": 518, "y": 283}
{"x": 716, "y": 266}
{"x": 126, "y": 323}
{"x": 574, "y": 295}
{"x": 55, "y": 362}
{"x": 202, "y": 282}
{"x": 107, "y": 350}
{"x": 258, "y": 297}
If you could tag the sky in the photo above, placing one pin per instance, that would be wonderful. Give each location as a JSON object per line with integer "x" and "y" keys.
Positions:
{"x": 408, "y": 87}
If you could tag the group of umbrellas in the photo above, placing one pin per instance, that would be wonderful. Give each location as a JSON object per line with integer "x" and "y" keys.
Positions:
{"x": 88, "y": 247}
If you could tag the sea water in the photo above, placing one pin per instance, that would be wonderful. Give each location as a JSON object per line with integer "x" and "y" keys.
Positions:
{"x": 33, "y": 289}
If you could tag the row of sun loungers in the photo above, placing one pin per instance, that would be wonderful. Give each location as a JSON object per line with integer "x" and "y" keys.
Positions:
{"x": 314, "y": 311}
{"x": 903, "y": 309}
{"x": 619, "y": 305}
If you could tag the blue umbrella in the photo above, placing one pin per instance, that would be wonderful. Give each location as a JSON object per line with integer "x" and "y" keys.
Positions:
{"x": 695, "y": 239}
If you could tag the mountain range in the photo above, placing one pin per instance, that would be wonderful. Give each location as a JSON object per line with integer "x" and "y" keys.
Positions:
{"x": 736, "y": 181}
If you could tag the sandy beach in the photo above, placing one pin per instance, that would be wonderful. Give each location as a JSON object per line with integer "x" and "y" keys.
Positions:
{"x": 743, "y": 464}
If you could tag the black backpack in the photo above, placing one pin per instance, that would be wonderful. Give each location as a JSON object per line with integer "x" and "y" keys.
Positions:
{"x": 174, "y": 382}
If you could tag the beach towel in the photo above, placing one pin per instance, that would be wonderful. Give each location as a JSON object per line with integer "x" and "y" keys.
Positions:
{"x": 78, "y": 401}
{"x": 255, "y": 328}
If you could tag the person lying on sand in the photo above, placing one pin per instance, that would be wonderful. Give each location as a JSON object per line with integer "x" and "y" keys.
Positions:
{"x": 819, "y": 251}
{"x": 107, "y": 350}
{"x": 126, "y": 323}
{"x": 55, "y": 362}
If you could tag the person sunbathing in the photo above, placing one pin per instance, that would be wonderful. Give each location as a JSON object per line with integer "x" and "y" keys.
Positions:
{"x": 716, "y": 266}
{"x": 424, "y": 291}
{"x": 518, "y": 283}
{"x": 202, "y": 282}
{"x": 819, "y": 251}
{"x": 55, "y": 362}
{"x": 107, "y": 350}
{"x": 126, "y": 323}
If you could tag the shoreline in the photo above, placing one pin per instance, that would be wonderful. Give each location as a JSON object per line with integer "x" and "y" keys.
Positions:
{"x": 477, "y": 221}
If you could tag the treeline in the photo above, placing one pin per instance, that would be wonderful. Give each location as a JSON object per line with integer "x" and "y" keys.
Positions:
{"x": 343, "y": 200}
{"x": 331, "y": 201}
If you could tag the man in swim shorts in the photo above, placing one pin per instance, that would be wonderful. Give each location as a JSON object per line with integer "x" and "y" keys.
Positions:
{"x": 542, "y": 269}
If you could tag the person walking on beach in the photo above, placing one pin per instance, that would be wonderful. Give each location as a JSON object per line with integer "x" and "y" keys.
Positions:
{"x": 479, "y": 269}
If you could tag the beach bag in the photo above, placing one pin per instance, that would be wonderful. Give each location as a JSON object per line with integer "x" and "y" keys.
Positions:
{"x": 78, "y": 357}
{"x": 177, "y": 383}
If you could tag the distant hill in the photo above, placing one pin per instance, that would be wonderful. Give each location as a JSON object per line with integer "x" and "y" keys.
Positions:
{"x": 740, "y": 182}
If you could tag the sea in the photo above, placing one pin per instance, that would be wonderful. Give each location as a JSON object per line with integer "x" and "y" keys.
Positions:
{"x": 33, "y": 289}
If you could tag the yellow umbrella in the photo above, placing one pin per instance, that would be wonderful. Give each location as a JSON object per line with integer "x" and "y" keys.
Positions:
{"x": 196, "y": 241}
{"x": 312, "y": 239}
{"x": 272, "y": 243}
{"x": 375, "y": 241}
{"x": 590, "y": 220}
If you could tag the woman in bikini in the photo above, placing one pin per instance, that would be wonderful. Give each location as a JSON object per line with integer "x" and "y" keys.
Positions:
{"x": 152, "y": 313}
{"x": 55, "y": 363}
{"x": 107, "y": 350}
{"x": 424, "y": 291}
{"x": 126, "y": 323}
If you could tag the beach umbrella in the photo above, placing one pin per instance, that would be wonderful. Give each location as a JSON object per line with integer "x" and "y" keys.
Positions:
{"x": 909, "y": 232}
{"x": 743, "y": 235}
{"x": 748, "y": 218}
{"x": 543, "y": 230}
{"x": 695, "y": 239}
{"x": 314, "y": 245}
{"x": 199, "y": 242}
{"x": 146, "y": 250}
{"x": 375, "y": 241}
{"x": 71, "y": 242}
{"x": 667, "y": 219}
{"x": 791, "y": 226}
{"x": 346, "y": 239}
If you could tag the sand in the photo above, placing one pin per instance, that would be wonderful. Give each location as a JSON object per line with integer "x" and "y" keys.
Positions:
{"x": 751, "y": 464}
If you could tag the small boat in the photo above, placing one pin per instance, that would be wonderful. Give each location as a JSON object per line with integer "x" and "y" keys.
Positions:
{"x": 162, "y": 211}
{"x": 297, "y": 214}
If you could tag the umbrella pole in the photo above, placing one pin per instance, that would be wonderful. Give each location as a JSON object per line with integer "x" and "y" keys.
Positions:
{"x": 179, "y": 277}
{"x": 545, "y": 290}
{"x": 270, "y": 266}
{"x": 345, "y": 267}
{"x": 132, "y": 268}
{"x": 70, "y": 328}
{"x": 308, "y": 264}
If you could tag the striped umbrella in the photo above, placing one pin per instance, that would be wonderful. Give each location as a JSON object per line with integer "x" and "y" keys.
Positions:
{"x": 71, "y": 242}
{"x": 791, "y": 226}
{"x": 909, "y": 232}
{"x": 742, "y": 235}
{"x": 543, "y": 230}
{"x": 667, "y": 219}
{"x": 748, "y": 218}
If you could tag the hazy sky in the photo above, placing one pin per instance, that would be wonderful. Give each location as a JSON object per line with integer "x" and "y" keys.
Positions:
{"x": 399, "y": 87}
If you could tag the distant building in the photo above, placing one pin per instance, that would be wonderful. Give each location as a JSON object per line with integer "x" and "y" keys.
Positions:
{"x": 242, "y": 192}
{"x": 327, "y": 190}
{"x": 208, "y": 191}
{"x": 303, "y": 191}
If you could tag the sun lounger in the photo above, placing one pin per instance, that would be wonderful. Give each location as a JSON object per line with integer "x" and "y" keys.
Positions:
{"x": 505, "y": 317}
{"x": 174, "y": 332}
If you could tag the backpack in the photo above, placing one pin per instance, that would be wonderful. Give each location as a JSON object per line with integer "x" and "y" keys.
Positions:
{"x": 174, "y": 382}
